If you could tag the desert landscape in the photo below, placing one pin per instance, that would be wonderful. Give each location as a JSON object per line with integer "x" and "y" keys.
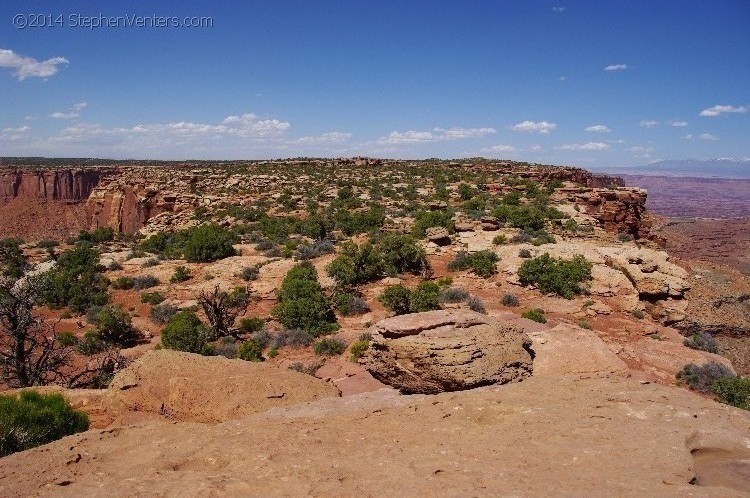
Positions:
{"x": 374, "y": 249}
{"x": 410, "y": 314}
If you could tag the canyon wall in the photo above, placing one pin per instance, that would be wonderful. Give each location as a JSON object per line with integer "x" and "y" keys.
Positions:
{"x": 67, "y": 185}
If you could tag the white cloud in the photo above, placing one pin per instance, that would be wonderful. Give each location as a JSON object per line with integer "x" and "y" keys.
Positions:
{"x": 326, "y": 138}
{"x": 64, "y": 115}
{"x": 536, "y": 148}
{"x": 718, "y": 110}
{"x": 558, "y": 9}
{"x": 648, "y": 123}
{"x": 598, "y": 128}
{"x": 541, "y": 127}
{"x": 21, "y": 129}
{"x": 562, "y": 78}
{"x": 434, "y": 135}
{"x": 586, "y": 146}
{"x": 677, "y": 122}
{"x": 616, "y": 67}
{"x": 73, "y": 112}
{"x": 703, "y": 136}
{"x": 27, "y": 67}
{"x": 500, "y": 148}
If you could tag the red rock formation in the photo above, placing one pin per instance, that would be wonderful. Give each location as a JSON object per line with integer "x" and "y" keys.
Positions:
{"x": 622, "y": 210}
{"x": 60, "y": 185}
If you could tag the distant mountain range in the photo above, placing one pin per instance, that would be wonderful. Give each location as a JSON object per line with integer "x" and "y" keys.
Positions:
{"x": 723, "y": 167}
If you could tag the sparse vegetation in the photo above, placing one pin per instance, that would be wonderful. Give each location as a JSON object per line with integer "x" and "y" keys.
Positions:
{"x": 181, "y": 274}
{"x": 557, "y": 276}
{"x": 301, "y": 303}
{"x": 536, "y": 314}
{"x": 400, "y": 300}
{"x": 702, "y": 341}
{"x": 482, "y": 263}
{"x": 185, "y": 332}
{"x": 510, "y": 300}
{"x": 30, "y": 419}
{"x": 329, "y": 346}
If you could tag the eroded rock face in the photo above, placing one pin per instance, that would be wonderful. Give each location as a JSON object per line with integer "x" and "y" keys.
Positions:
{"x": 447, "y": 350}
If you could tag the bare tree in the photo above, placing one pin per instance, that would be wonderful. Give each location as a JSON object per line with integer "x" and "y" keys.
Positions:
{"x": 30, "y": 354}
{"x": 222, "y": 309}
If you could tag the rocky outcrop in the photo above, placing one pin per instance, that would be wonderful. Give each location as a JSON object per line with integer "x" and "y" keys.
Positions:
{"x": 438, "y": 235}
{"x": 186, "y": 387}
{"x": 447, "y": 350}
{"x": 620, "y": 210}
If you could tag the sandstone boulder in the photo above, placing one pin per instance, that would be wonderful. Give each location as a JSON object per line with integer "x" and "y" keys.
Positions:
{"x": 447, "y": 350}
{"x": 195, "y": 388}
{"x": 438, "y": 235}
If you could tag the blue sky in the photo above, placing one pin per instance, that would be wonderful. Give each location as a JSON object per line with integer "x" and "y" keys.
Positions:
{"x": 590, "y": 83}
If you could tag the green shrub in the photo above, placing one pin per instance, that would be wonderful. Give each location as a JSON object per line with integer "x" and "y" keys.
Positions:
{"x": 426, "y": 297}
{"x": 162, "y": 313}
{"x": 249, "y": 273}
{"x": 357, "y": 265}
{"x": 402, "y": 254}
{"x": 185, "y": 332}
{"x": 152, "y": 298}
{"x": 101, "y": 234}
{"x": 733, "y": 391}
{"x": 356, "y": 222}
{"x": 252, "y": 324}
{"x": 181, "y": 274}
{"x": 536, "y": 314}
{"x": 510, "y": 300}
{"x": 476, "y": 304}
{"x": 301, "y": 303}
{"x": 400, "y": 300}
{"x": 702, "y": 377}
{"x": 524, "y": 253}
{"x": 465, "y": 192}
{"x": 208, "y": 243}
{"x": 499, "y": 240}
{"x": 91, "y": 343}
{"x": 66, "y": 339}
{"x": 32, "y": 419}
{"x": 454, "y": 295}
{"x": 122, "y": 283}
{"x": 114, "y": 326}
{"x": 396, "y": 299}
{"x": 558, "y": 276}
{"x": 144, "y": 282}
{"x": 624, "y": 237}
{"x": 75, "y": 281}
{"x": 349, "y": 304}
{"x": 482, "y": 263}
{"x": 251, "y": 350}
{"x": 12, "y": 259}
{"x": 329, "y": 346}
{"x": 359, "y": 347}
{"x": 702, "y": 341}
{"x": 584, "y": 324}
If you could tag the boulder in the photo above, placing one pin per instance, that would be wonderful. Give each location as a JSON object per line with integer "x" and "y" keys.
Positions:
{"x": 208, "y": 389}
{"x": 447, "y": 350}
{"x": 490, "y": 223}
{"x": 464, "y": 226}
{"x": 438, "y": 235}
